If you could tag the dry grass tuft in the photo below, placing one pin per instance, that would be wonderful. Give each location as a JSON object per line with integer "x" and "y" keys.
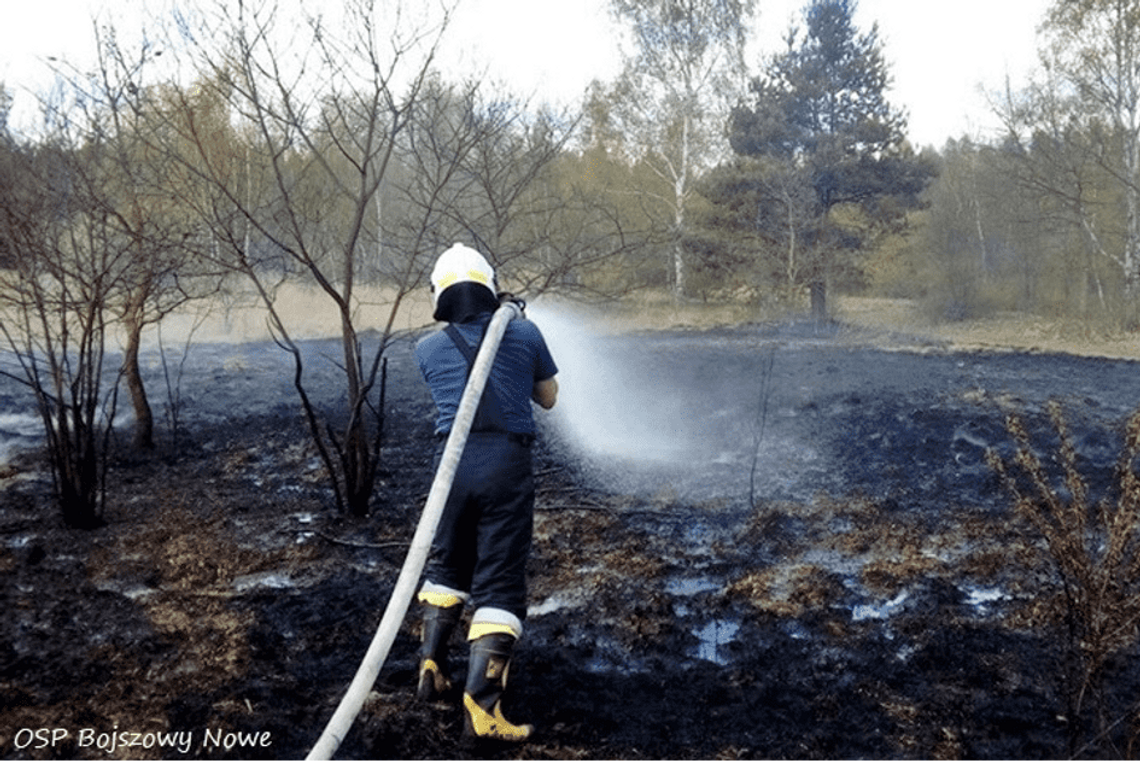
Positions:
{"x": 788, "y": 589}
{"x": 1010, "y": 331}
{"x": 888, "y": 577}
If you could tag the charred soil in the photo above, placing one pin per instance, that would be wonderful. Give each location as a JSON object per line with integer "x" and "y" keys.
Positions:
{"x": 846, "y": 581}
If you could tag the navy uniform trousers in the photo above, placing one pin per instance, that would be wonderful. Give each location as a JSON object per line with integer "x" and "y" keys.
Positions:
{"x": 484, "y": 535}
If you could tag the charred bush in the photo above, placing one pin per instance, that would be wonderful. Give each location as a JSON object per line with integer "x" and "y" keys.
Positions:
{"x": 1093, "y": 547}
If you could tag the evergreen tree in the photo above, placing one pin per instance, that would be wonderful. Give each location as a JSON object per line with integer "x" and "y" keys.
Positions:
{"x": 820, "y": 107}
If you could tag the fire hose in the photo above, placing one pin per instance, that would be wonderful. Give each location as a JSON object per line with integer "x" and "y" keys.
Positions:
{"x": 407, "y": 581}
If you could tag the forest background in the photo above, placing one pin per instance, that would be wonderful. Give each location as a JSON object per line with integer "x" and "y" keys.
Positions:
{"x": 238, "y": 153}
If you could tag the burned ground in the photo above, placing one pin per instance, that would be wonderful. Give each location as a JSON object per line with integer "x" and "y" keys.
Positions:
{"x": 829, "y": 569}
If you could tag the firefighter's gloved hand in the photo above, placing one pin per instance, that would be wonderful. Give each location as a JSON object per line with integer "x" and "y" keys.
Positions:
{"x": 505, "y": 297}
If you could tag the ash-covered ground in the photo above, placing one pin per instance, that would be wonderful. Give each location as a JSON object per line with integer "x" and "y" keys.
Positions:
{"x": 759, "y": 542}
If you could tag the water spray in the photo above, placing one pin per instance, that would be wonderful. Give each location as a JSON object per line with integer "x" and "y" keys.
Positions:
{"x": 408, "y": 580}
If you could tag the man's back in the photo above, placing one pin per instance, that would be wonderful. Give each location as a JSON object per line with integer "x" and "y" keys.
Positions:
{"x": 522, "y": 360}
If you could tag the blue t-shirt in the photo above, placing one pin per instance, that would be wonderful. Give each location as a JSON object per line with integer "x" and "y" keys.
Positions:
{"x": 523, "y": 359}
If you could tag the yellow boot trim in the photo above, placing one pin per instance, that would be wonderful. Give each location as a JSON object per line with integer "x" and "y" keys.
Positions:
{"x": 493, "y": 726}
{"x": 439, "y": 599}
{"x": 430, "y": 669}
{"x": 483, "y": 628}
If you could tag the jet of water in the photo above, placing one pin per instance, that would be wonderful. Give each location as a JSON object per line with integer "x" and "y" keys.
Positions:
{"x": 608, "y": 406}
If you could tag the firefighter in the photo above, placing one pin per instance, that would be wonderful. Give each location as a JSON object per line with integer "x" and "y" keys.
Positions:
{"x": 480, "y": 550}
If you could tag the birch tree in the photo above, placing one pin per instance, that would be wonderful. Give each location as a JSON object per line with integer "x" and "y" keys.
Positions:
{"x": 1085, "y": 112}
{"x": 685, "y": 67}
{"x": 1058, "y": 164}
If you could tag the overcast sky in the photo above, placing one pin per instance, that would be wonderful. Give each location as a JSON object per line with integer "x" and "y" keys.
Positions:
{"x": 940, "y": 53}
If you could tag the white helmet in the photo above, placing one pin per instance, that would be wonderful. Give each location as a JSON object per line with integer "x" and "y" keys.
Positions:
{"x": 460, "y": 264}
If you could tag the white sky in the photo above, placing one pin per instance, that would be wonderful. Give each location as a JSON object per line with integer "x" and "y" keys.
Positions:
{"x": 939, "y": 52}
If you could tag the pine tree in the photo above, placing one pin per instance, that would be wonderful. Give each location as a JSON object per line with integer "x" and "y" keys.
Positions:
{"x": 820, "y": 106}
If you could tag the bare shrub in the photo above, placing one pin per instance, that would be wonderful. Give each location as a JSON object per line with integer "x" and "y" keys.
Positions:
{"x": 55, "y": 294}
{"x": 1093, "y": 548}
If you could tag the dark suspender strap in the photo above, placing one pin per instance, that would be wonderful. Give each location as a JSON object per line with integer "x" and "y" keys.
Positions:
{"x": 465, "y": 348}
{"x": 488, "y": 416}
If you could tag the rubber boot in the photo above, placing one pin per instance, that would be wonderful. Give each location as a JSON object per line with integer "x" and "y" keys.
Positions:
{"x": 486, "y": 680}
{"x": 439, "y": 623}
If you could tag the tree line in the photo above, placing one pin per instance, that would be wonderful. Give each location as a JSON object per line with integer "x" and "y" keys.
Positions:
{"x": 1047, "y": 217}
{"x": 239, "y": 147}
